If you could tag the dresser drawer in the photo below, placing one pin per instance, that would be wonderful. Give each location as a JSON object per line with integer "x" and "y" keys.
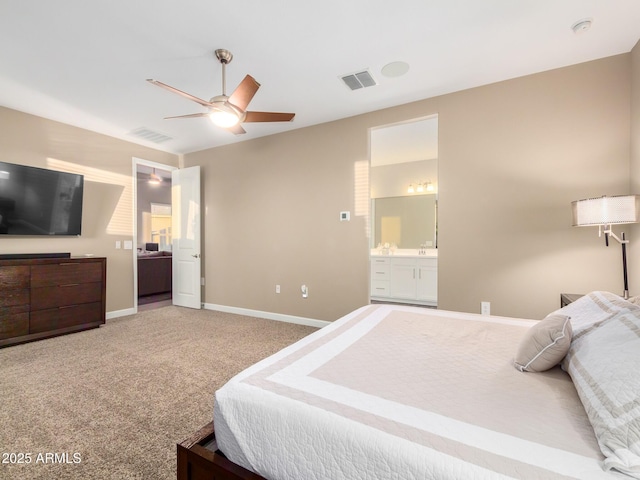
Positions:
{"x": 9, "y": 298}
{"x": 64, "y": 295}
{"x": 380, "y": 271}
{"x": 380, "y": 268}
{"x": 379, "y": 288}
{"x": 14, "y": 277}
{"x": 63, "y": 317}
{"x": 380, "y": 261}
{"x": 65, "y": 273}
{"x": 14, "y": 321}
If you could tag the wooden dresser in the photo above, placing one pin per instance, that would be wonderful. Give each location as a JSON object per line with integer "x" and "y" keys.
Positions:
{"x": 46, "y": 297}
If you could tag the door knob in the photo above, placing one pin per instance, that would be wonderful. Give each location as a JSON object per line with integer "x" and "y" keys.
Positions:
{"x": 196, "y": 255}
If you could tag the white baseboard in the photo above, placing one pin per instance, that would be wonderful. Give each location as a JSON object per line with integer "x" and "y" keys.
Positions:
{"x": 120, "y": 313}
{"x": 280, "y": 317}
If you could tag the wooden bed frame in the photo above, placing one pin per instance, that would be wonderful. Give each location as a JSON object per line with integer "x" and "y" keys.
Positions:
{"x": 197, "y": 462}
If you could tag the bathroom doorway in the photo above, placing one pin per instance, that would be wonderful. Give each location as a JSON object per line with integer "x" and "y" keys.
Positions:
{"x": 153, "y": 236}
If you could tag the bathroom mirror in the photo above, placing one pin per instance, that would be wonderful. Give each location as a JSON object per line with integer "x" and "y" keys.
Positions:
{"x": 404, "y": 155}
{"x": 407, "y": 221}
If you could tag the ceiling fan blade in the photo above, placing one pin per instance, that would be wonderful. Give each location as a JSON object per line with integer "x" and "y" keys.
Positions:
{"x": 236, "y": 129}
{"x": 202, "y": 102}
{"x": 244, "y": 92}
{"x": 269, "y": 117}
{"x": 191, "y": 115}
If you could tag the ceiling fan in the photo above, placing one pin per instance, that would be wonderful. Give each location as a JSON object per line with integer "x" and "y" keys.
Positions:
{"x": 229, "y": 112}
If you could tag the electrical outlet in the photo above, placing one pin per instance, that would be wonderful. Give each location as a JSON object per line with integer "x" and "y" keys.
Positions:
{"x": 305, "y": 291}
{"x": 485, "y": 308}
{"x": 277, "y": 288}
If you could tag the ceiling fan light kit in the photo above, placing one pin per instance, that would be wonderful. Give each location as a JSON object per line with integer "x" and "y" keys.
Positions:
{"x": 229, "y": 112}
{"x": 154, "y": 179}
{"x": 224, "y": 119}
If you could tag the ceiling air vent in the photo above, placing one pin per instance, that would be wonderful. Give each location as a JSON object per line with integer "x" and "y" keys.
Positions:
{"x": 146, "y": 134}
{"x": 359, "y": 80}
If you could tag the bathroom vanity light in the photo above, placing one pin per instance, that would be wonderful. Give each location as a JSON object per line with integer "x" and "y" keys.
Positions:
{"x": 421, "y": 187}
{"x": 604, "y": 212}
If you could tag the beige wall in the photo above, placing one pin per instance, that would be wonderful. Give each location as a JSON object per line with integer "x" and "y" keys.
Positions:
{"x": 107, "y": 213}
{"x": 513, "y": 155}
{"x": 271, "y": 216}
{"x": 634, "y": 246}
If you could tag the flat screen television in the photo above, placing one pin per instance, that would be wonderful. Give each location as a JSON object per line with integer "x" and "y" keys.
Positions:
{"x": 38, "y": 201}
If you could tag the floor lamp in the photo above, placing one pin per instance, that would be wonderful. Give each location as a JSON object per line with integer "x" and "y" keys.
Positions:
{"x": 604, "y": 212}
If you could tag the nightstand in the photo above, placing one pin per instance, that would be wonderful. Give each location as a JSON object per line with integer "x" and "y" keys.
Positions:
{"x": 567, "y": 298}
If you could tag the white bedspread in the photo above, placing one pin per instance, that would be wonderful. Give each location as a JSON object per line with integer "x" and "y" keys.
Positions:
{"x": 391, "y": 392}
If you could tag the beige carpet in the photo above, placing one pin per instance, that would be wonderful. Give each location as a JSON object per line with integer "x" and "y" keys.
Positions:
{"x": 120, "y": 397}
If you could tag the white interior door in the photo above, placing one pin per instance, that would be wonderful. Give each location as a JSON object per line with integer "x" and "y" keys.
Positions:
{"x": 185, "y": 200}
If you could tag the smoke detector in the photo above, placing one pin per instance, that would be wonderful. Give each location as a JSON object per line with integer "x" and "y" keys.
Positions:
{"x": 582, "y": 25}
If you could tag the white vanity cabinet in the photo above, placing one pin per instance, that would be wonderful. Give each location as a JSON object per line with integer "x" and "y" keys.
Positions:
{"x": 404, "y": 283}
{"x": 427, "y": 286}
{"x": 408, "y": 279}
{"x": 380, "y": 276}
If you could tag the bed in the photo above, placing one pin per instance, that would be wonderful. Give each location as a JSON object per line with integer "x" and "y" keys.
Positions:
{"x": 391, "y": 392}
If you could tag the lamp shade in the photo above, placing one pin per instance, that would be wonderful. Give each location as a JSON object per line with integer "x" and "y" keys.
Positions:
{"x": 606, "y": 210}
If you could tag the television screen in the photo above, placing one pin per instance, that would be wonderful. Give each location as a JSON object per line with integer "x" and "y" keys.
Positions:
{"x": 37, "y": 201}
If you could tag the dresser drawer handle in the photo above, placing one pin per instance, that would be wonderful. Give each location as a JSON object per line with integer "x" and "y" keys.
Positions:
{"x": 67, "y": 306}
{"x": 68, "y": 263}
{"x": 70, "y": 285}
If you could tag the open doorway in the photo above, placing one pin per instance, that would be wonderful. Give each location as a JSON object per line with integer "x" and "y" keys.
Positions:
{"x": 404, "y": 211}
{"x": 153, "y": 235}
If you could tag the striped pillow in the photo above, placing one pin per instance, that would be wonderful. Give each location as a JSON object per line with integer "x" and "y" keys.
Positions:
{"x": 604, "y": 364}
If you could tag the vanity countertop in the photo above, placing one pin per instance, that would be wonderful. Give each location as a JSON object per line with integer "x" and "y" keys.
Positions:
{"x": 407, "y": 252}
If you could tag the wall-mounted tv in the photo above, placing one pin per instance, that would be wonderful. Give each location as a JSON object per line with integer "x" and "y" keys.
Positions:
{"x": 37, "y": 201}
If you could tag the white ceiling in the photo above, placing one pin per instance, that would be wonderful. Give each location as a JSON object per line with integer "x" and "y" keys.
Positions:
{"x": 85, "y": 62}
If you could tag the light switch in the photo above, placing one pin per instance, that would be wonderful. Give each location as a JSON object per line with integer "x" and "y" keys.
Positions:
{"x": 128, "y": 245}
{"x": 118, "y": 244}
